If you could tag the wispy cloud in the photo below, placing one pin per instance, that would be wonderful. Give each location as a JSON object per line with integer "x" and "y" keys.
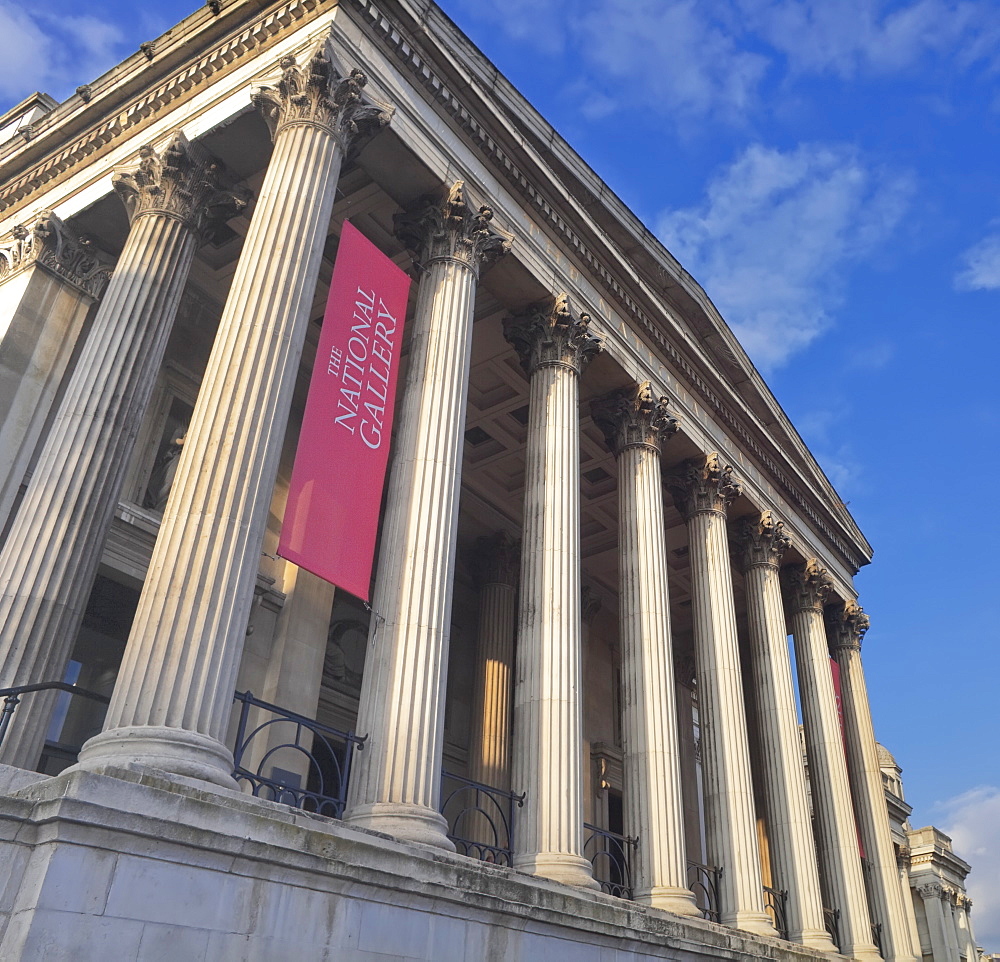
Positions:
{"x": 972, "y": 819}
{"x": 42, "y": 51}
{"x": 981, "y": 266}
{"x": 776, "y": 234}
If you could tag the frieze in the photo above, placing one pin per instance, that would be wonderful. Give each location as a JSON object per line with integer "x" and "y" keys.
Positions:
{"x": 47, "y": 242}
{"x": 633, "y": 417}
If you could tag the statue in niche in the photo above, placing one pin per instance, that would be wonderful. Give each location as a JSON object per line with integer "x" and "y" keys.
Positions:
{"x": 345, "y": 654}
{"x": 162, "y": 478}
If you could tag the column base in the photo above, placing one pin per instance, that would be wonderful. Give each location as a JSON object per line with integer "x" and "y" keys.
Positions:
{"x": 753, "y": 922}
{"x": 560, "y": 867}
{"x": 411, "y": 823}
{"x": 813, "y": 939}
{"x": 866, "y": 952}
{"x": 679, "y": 901}
{"x": 175, "y": 751}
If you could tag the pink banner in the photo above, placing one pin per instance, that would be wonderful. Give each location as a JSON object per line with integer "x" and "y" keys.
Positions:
{"x": 331, "y": 518}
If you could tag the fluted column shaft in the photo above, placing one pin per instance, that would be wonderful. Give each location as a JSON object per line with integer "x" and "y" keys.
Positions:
{"x": 836, "y": 836}
{"x": 175, "y": 688}
{"x": 845, "y": 628}
{"x": 635, "y": 425}
{"x": 932, "y": 895}
{"x": 793, "y": 851}
{"x": 704, "y": 489}
{"x": 50, "y": 558}
{"x": 489, "y": 750}
{"x": 396, "y": 782}
{"x": 548, "y": 728}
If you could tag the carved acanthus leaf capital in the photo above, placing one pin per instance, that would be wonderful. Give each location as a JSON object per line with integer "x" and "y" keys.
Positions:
{"x": 320, "y": 94}
{"x": 703, "y": 484}
{"x": 931, "y": 890}
{"x": 496, "y": 560}
{"x": 184, "y": 181}
{"x": 450, "y": 228}
{"x": 553, "y": 334}
{"x": 806, "y": 585}
{"x": 633, "y": 417}
{"x": 846, "y": 626}
{"x": 761, "y": 540}
{"x": 49, "y": 243}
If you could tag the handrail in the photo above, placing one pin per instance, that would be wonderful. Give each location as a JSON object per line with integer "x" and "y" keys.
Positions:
{"x": 615, "y": 857}
{"x": 704, "y": 881}
{"x": 12, "y": 698}
{"x": 480, "y": 818}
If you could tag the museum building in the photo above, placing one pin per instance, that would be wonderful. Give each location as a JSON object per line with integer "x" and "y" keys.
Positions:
{"x": 566, "y": 725}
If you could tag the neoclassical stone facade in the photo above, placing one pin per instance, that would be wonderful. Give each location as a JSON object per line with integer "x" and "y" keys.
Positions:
{"x": 567, "y": 721}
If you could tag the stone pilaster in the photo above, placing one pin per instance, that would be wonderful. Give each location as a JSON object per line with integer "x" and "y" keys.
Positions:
{"x": 174, "y": 692}
{"x": 51, "y": 554}
{"x": 49, "y": 279}
{"x": 396, "y": 782}
{"x": 761, "y": 544}
{"x": 495, "y": 566}
{"x": 933, "y": 894}
{"x": 635, "y": 425}
{"x": 703, "y": 490}
{"x": 806, "y": 589}
{"x": 845, "y": 627}
{"x": 554, "y": 346}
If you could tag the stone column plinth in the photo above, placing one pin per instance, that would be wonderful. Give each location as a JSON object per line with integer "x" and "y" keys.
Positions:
{"x": 635, "y": 424}
{"x": 806, "y": 589}
{"x": 495, "y": 566}
{"x": 50, "y": 558}
{"x": 554, "y": 346}
{"x": 845, "y": 627}
{"x": 761, "y": 544}
{"x": 703, "y": 489}
{"x": 49, "y": 279}
{"x": 396, "y": 781}
{"x": 174, "y": 693}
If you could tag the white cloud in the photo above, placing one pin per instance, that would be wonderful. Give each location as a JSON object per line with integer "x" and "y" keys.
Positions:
{"x": 776, "y": 234}
{"x": 972, "y": 819}
{"x": 40, "y": 51}
{"x": 981, "y": 270}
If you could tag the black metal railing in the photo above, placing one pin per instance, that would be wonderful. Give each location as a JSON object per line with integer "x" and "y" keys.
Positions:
{"x": 704, "y": 881}
{"x": 831, "y": 919}
{"x": 480, "y": 818}
{"x": 316, "y": 759}
{"x": 877, "y": 937}
{"x": 611, "y": 856}
{"x": 12, "y": 697}
{"x": 776, "y": 906}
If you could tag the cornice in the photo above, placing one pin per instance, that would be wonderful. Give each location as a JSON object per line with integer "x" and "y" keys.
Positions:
{"x": 106, "y": 120}
{"x": 728, "y": 354}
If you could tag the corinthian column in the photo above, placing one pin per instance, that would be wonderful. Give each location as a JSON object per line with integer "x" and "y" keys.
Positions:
{"x": 396, "y": 782}
{"x": 635, "y": 424}
{"x": 554, "y": 347}
{"x": 50, "y": 559}
{"x": 174, "y": 692}
{"x": 495, "y": 568}
{"x": 845, "y": 627}
{"x": 806, "y": 589}
{"x": 49, "y": 278}
{"x": 703, "y": 489}
{"x": 762, "y": 543}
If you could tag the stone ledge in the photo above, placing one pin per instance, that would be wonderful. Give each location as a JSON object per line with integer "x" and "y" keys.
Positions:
{"x": 141, "y": 817}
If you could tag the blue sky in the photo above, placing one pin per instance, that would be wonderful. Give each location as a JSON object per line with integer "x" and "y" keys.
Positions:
{"x": 828, "y": 170}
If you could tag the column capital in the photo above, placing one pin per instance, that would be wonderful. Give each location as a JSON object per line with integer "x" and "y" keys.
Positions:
{"x": 806, "y": 585}
{"x": 931, "y": 890}
{"x": 703, "y": 484}
{"x": 184, "y": 181}
{"x": 496, "y": 560}
{"x": 552, "y": 335}
{"x": 846, "y": 625}
{"x": 448, "y": 228}
{"x": 634, "y": 418}
{"x": 319, "y": 93}
{"x": 47, "y": 242}
{"x": 760, "y": 540}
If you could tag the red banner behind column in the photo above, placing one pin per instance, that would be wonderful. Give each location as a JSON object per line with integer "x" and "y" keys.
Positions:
{"x": 331, "y": 517}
